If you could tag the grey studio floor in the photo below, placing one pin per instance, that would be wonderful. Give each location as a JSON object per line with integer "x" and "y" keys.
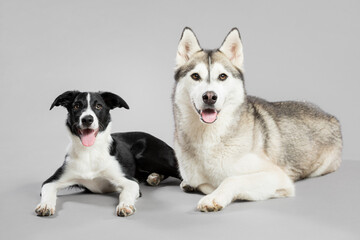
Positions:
{"x": 294, "y": 50}
{"x": 324, "y": 208}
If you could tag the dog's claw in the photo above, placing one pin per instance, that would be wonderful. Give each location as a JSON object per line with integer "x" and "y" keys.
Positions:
{"x": 214, "y": 207}
{"x": 125, "y": 211}
{"x": 43, "y": 210}
{"x": 209, "y": 204}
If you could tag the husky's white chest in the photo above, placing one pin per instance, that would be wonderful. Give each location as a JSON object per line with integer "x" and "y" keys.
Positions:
{"x": 216, "y": 162}
{"x": 205, "y": 163}
{"x": 213, "y": 161}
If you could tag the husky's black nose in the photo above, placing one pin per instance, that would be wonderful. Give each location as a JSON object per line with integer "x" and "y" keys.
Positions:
{"x": 87, "y": 120}
{"x": 209, "y": 97}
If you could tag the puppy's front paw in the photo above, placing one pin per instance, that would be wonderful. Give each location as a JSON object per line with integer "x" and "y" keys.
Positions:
{"x": 154, "y": 179}
{"x": 186, "y": 187}
{"x": 209, "y": 204}
{"x": 44, "y": 210}
{"x": 123, "y": 210}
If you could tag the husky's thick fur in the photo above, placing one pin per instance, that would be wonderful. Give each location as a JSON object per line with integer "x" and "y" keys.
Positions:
{"x": 232, "y": 146}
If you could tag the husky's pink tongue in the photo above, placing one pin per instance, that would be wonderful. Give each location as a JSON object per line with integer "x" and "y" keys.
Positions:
{"x": 209, "y": 115}
{"x": 88, "y": 137}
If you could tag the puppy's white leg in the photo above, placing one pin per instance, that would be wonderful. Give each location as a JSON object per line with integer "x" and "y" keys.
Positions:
{"x": 46, "y": 207}
{"x": 129, "y": 194}
{"x": 255, "y": 186}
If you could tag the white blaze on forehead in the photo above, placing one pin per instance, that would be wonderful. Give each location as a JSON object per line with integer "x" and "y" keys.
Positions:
{"x": 90, "y": 112}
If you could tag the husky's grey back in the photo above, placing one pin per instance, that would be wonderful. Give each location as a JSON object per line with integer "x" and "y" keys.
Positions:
{"x": 304, "y": 135}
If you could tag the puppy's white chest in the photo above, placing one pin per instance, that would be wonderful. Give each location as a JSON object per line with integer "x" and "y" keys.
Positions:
{"x": 95, "y": 172}
{"x": 91, "y": 165}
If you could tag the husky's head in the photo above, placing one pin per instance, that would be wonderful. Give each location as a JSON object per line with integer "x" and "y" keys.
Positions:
{"x": 209, "y": 81}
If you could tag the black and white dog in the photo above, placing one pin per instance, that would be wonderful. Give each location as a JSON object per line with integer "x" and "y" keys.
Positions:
{"x": 102, "y": 162}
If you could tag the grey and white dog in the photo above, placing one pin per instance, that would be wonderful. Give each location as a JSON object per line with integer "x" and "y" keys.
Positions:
{"x": 232, "y": 146}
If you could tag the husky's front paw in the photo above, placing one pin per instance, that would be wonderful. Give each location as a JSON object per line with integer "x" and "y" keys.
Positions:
{"x": 44, "y": 210}
{"x": 210, "y": 204}
{"x": 154, "y": 179}
{"x": 123, "y": 210}
{"x": 186, "y": 187}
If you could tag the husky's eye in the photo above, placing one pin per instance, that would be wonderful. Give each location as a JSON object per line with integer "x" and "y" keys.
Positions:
{"x": 98, "y": 106}
{"x": 76, "y": 106}
{"x": 223, "y": 77}
{"x": 195, "y": 76}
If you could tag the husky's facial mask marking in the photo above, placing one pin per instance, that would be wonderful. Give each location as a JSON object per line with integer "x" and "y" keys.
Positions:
{"x": 209, "y": 76}
{"x": 88, "y": 113}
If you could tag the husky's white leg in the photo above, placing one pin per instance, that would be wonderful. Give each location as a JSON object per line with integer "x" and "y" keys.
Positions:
{"x": 130, "y": 192}
{"x": 46, "y": 207}
{"x": 255, "y": 186}
{"x": 205, "y": 188}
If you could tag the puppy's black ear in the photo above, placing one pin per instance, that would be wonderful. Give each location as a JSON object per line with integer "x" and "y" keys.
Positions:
{"x": 65, "y": 99}
{"x": 113, "y": 100}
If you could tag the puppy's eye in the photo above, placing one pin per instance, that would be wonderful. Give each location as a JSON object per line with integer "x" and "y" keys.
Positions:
{"x": 98, "y": 106}
{"x": 223, "y": 77}
{"x": 76, "y": 106}
{"x": 195, "y": 76}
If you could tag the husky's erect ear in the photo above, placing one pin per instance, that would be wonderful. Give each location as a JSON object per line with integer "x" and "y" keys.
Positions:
{"x": 233, "y": 49}
{"x": 188, "y": 45}
{"x": 65, "y": 99}
{"x": 112, "y": 100}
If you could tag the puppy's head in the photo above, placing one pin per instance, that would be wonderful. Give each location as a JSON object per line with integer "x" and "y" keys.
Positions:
{"x": 88, "y": 112}
{"x": 210, "y": 81}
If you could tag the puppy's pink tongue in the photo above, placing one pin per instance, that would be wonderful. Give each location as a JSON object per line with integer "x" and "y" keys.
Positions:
{"x": 209, "y": 115}
{"x": 88, "y": 138}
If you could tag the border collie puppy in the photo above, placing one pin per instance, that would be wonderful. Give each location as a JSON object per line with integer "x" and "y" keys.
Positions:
{"x": 102, "y": 162}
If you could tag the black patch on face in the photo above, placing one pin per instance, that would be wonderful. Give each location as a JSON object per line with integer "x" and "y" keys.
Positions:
{"x": 75, "y": 110}
{"x": 102, "y": 114}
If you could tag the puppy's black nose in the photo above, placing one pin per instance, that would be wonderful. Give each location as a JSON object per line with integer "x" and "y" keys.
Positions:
{"x": 209, "y": 97}
{"x": 87, "y": 120}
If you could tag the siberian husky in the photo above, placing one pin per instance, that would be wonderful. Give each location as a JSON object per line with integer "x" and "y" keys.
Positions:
{"x": 233, "y": 146}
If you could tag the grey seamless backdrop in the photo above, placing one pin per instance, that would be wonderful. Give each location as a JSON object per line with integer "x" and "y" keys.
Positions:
{"x": 294, "y": 50}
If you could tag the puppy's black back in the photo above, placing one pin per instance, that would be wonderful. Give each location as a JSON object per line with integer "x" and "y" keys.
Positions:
{"x": 148, "y": 155}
